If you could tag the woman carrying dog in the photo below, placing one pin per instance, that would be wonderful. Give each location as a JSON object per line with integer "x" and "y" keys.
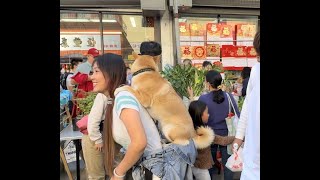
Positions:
{"x": 127, "y": 122}
{"x": 129, "y": 125}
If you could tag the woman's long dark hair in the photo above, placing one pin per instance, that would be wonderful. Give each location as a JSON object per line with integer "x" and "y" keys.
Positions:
{"x": 196, "y": 109}
{"x": 214, "y": 79}
{"x": 245, "y": 72}
{"x": 114, "y": 70}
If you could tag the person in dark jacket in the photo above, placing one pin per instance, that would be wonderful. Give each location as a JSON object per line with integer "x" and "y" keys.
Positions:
{"x": 245, "y": 74}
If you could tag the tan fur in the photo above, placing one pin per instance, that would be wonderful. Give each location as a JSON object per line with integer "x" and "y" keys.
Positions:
{"x": 164, "y": 104}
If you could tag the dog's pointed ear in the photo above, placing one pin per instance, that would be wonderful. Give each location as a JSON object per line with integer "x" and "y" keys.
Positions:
{"x": 135, "y": 55}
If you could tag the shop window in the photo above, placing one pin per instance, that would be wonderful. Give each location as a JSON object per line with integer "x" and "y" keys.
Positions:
{"x": 78, "y": 33}
{"x": 225, "y": 39}
{"x": 126, "y": 35}
{"x": 122, "y": 34}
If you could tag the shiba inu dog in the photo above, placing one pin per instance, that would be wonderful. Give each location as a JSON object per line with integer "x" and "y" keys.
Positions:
{"x": 163, "y": 103}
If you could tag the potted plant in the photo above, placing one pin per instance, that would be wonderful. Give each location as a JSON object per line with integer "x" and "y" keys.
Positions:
{"x": 182, "y": 76}
{"x": 84, "y": 104}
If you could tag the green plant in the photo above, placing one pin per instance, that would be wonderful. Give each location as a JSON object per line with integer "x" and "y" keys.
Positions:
{"x": 181, "y": 77}
{"x": 85, "y": 104}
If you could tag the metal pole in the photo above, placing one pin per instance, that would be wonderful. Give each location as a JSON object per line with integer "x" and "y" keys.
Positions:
{"x": 176, "y": 28}
{"x": 101, "y": 32}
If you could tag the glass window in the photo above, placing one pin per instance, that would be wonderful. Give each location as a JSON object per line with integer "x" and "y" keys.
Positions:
{"x": 122, "y": 34}
{"x": 226, "y": 39}
{"x": 78, "y": 33}
{"x": 126, "y": 35}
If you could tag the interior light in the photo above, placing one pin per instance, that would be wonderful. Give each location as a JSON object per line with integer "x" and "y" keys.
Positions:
{"x": 90, "y": 32}
{"x": 133, "y": 22}
{"x": 88, "y": 20}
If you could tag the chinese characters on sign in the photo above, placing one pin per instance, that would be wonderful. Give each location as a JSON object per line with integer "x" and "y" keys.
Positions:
{"x": 79, "y": 42}
{"x": 112, "y": 42}
{"x": 91, "y": 42}
{"x": 64, "y": 43}
{"x": 83, "y": 42}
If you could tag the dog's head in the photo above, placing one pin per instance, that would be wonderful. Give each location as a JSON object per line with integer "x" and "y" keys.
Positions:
{"x": 145, "y": 61}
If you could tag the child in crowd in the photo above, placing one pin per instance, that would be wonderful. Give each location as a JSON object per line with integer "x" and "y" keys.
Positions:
{"x": 199, "y": 113}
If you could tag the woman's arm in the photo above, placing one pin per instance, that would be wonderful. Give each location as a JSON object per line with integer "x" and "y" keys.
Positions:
{"x": 242, "y": 123}
{"x": 132, "y": 122}
{"x": 94, "y": 120}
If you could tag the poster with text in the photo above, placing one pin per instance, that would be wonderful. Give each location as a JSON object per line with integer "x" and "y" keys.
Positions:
{"x": 251, "y": 52}
{"x": 186, "y": 52}
{"x": 228, "y": 51}
{"x": 184, "y": 31}
{"x": 245, "y": 34}
{"x": 213, "y": 32}
{"x": 199, "y": 52}
{"x": 226, "y": 35}
{"x": 197, "y": 31}
{"x": 112, "y": 42}
{"x": 240, "y": 51}
{"x": 213, "y": 50}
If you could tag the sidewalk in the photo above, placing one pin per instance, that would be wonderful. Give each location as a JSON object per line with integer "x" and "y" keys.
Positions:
{"x": 72, "y": 167}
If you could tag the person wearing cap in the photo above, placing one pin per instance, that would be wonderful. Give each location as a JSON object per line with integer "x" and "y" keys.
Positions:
{"x": 82, "y": 73}
{"x": 82, "y": 76}
{"x": 86, "y": 68}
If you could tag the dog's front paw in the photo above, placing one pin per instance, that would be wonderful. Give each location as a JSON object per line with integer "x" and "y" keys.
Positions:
{"x": 122, "y": 88}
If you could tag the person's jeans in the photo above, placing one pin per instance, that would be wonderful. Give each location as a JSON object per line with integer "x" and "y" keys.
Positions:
{"x": 228, "y": 175}
{"x": 173, "y": 162}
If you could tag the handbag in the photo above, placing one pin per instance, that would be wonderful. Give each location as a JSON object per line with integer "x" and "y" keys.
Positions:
{"x": 234, "y": 162}
{"x": 232, "y": 122}
{"x": 82, "y": 124}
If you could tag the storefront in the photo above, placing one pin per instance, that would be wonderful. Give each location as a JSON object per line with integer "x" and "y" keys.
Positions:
{"x": 115, "y": 32}
{"x": 219, "y": 31}
{"x": 212, "y": 30}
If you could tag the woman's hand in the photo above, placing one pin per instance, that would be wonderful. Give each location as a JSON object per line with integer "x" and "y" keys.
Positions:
{"x": 116, "y": 176}
{"x": 99, "y": 146}
{"x": 238, "y": 141}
